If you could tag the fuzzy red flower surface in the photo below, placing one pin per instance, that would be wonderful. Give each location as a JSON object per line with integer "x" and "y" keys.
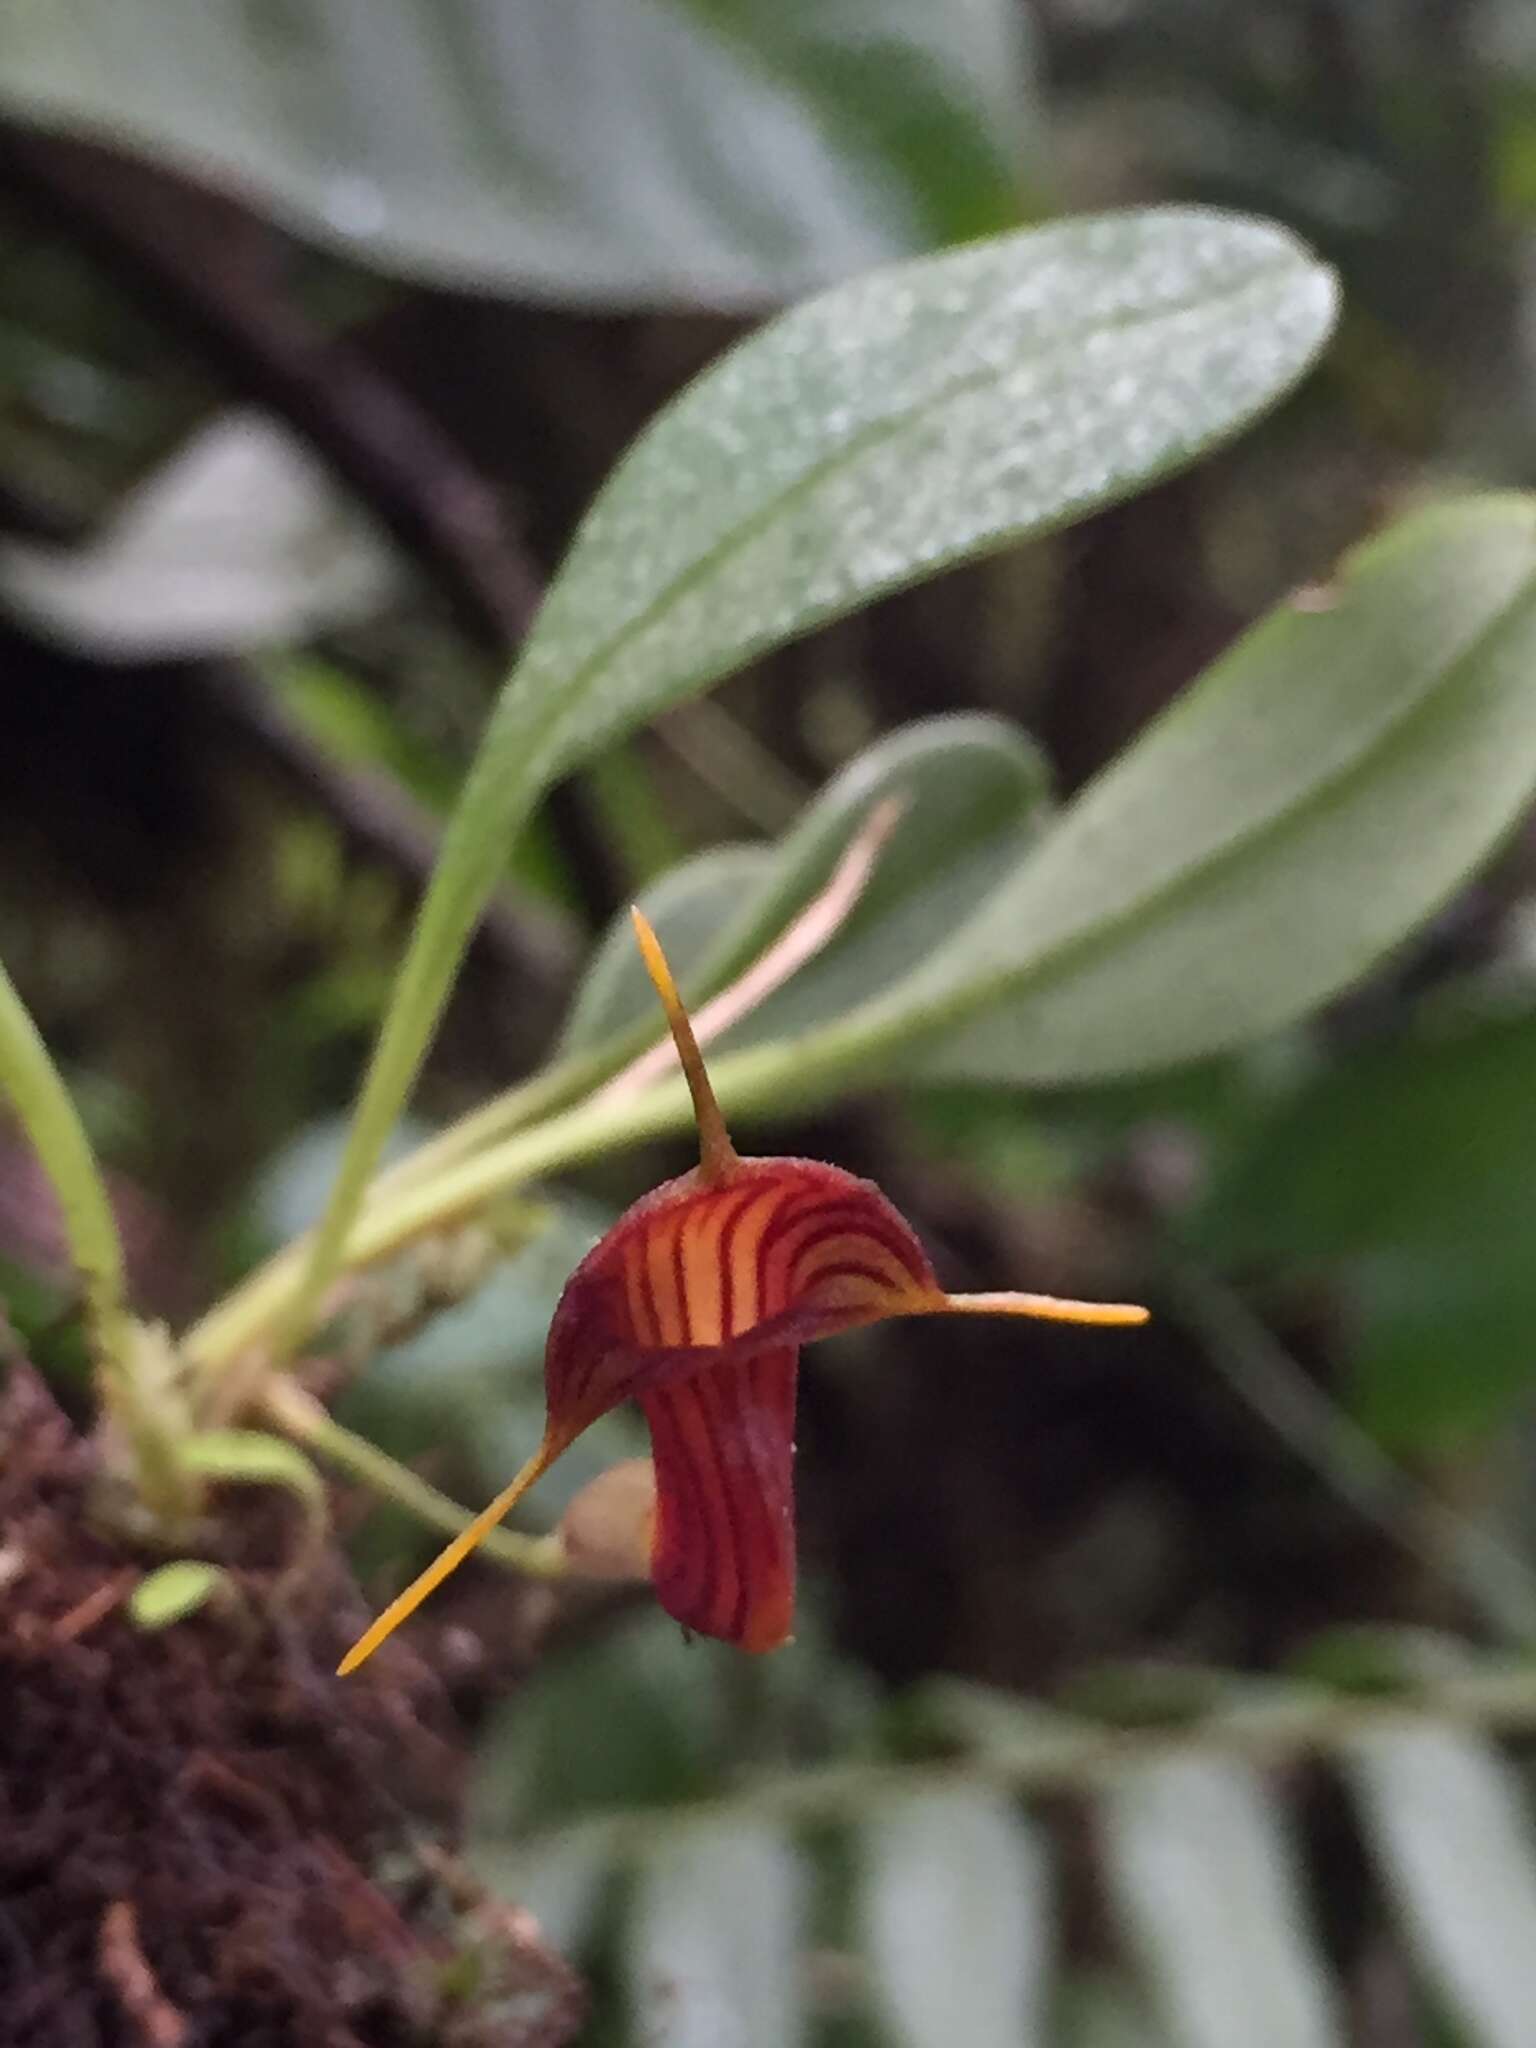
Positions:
{"x": 695, "y": 1305}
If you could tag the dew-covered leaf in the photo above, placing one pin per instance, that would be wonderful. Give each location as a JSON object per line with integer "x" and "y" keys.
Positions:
{"x": 917, "y": 417}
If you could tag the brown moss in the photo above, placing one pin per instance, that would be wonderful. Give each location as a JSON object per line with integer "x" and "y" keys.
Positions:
{"x": 191, "y": 1821}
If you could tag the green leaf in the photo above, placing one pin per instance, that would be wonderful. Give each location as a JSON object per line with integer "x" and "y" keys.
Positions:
{"x": 713, "y": 1943}
{"x": 1318, "y": 793}
{"x": 1197, "y": 1861}
{"x": 913, "y": 419}
{"x": 955, "y": 1905}
{"x": 973, "y": 792}
{"x": 586, "y": 151}
{"x": 173, "y": 1591}
{"x": 1450, "y": 1828}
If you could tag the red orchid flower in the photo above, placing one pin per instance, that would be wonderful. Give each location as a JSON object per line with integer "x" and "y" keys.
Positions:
{"x": 696, "y": 1304}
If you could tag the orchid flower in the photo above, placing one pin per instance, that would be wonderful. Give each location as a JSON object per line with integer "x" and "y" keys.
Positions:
{"x": 696, "y": 1304}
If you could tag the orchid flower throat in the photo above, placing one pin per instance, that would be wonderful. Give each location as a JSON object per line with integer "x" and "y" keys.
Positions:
{"x": 695, "y": 1304}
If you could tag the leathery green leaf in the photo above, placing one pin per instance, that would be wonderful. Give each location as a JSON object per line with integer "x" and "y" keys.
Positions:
{"x": 1318, "y": 793}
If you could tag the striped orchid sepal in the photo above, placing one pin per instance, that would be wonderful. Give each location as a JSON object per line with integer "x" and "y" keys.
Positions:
{"x": 696, "y": 1304}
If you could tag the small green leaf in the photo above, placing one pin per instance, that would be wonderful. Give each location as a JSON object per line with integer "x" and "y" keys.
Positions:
{"x": 1197, "y": 1861}
{"x": 714, "y": 1939}
{"x": 1318, "y": 793}
{"x": 173, "y": 1591}
{"x": 1450, "y": 1827}
{"x": 957, "y": 1922}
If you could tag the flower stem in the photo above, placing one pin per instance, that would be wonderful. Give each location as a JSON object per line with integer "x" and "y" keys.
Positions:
{"x": 299, "y": 1415}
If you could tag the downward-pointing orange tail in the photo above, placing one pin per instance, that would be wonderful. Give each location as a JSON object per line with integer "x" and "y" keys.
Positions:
{"x": 452, "y": 1557}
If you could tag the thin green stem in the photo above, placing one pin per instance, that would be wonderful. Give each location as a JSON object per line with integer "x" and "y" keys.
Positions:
{"x": 492, "y": 804}
{"x": 53, "y": 1125}
{"x": 300, "y": 1416}
{"x": 758, "y": 1079}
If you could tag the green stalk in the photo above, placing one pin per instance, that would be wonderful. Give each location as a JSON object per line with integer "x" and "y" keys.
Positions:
{"x": 52, "y": 1124}
{"x": 300, "y": 1416}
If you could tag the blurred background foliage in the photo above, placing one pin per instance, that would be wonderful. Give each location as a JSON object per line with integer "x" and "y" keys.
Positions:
{"x": 319, "y": 326}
